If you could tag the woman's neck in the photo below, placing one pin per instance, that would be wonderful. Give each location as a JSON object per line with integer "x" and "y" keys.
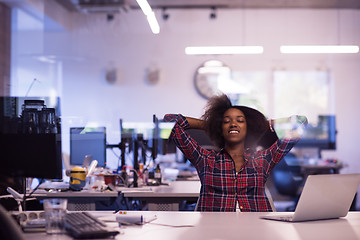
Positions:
{"x": 237, "y": 154}
{"x": 235, "y": 150}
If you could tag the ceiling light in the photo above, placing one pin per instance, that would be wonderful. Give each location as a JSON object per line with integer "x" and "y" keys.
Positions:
{"x": 145, "y": 7}
{"x": 154, "y": 25}
{"x": 224, "y": 50}
{"x": 319, "y": 49}
{"x": 109, "y": 17}
{"x": 165, "y": 15}
{"x": 213, "y": 13}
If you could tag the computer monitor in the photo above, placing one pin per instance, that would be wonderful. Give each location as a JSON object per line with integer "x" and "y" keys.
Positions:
{"x": 87, "y": 141}
{"x": 156, "y": 135}
{"x": 321, "y": 135}
{"x": 27, "y": 148}
{"x": 165, "y": 145}
{"x": 137, "y": 136}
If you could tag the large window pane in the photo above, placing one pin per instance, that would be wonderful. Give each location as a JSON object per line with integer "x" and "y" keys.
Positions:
{"x": 302, "y": 92}
{"x": 250, "y": 89}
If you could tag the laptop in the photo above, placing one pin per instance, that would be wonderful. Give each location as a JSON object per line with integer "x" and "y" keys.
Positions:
{"x": 324, "y": 196}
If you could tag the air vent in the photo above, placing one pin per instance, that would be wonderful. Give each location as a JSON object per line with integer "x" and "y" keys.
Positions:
{"x": 100, "y": 6}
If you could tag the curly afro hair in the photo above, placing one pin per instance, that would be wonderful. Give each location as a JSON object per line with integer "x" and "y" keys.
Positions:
{"x": 257, "y": 125}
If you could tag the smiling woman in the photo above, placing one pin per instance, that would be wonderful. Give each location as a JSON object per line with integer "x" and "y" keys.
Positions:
{"x": 232, "y": 178}
{"x": 213, "y": 118}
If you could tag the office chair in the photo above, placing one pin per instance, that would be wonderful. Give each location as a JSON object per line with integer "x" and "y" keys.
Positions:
{"x": 267, "y": 192}
{"x": 288, "y": 180}
{"x": 9, "y": 229}
{"x": 270, "y": 198}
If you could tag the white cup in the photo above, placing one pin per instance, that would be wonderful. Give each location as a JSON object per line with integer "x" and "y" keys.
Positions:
{"x": 55, "y": 212}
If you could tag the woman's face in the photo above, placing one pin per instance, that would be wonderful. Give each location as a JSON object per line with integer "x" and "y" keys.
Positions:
{"x": 234, "y": 126}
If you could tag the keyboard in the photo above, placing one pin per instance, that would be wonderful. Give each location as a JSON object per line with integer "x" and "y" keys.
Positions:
{"x": 82, "y": 225}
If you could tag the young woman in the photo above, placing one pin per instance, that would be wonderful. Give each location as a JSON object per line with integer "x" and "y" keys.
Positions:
{"x": 233, "y": 178}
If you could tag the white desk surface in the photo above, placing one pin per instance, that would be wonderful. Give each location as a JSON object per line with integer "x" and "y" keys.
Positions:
{"x": 224, "y": 226}
{"x": 174, "y": 189}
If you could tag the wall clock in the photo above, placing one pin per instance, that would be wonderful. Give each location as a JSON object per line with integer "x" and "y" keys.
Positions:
{"x": 208, "y": 78}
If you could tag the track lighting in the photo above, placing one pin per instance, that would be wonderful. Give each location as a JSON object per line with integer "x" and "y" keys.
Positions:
{"x": 213, "y": 13}
{"x": 165, "y": 15}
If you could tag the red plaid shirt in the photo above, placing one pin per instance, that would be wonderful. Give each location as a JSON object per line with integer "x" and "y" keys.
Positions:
{"x": 221, "y": 186}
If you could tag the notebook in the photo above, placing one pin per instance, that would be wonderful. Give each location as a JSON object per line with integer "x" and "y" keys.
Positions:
{"x": 323, "y": 197}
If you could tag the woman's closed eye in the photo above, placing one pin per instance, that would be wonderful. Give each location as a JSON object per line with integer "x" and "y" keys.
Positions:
{"x": 238, "y": 121}
{"x": 226, "y": 120}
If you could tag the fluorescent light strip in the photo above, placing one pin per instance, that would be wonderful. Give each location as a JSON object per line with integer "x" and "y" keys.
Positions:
{"x": 224, "y": 50}
{"x": 154, "y": 25}
{"x": 319, "y": 49}
{"x": 145, "y": 7}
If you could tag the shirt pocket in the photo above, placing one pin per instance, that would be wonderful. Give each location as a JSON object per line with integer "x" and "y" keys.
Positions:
{"x": 251, "y": 180}
{"x": 221, "y": 180}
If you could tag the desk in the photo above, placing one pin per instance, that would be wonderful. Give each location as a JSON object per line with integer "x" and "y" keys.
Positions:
{"x": 164, "y": 197}
{"x": 79, "y": 200}
{"x": 309, "y": 169}
{"x": 226, "y": 226}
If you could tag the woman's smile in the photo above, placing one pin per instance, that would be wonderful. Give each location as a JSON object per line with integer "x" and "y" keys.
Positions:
{"x": 234, "y": 126}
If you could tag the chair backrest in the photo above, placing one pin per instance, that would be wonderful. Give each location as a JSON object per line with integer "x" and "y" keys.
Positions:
{"x": 285, "y": 179}
{"x": 197, "y": 203}
{"x": 268, "y": 195}
{"x": 267, "y": 192}
{"x": 9, "y": 229}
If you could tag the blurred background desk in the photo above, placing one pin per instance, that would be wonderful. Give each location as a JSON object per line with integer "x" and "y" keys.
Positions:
{"x": 323, "y": 168}
{"x": 82, "y": 200}
{"x": 174, "y": 196}
{"x": 164, "y": 197}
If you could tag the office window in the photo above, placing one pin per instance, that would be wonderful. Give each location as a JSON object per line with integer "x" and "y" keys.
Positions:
{"x": 34, "y": 72}
{"x": 285, "y": 93}
{"x": 302, "y": 92}
{"x": 248, "y": 88}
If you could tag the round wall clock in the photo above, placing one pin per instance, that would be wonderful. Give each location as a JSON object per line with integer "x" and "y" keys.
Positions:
{"x": 208, "y": 78}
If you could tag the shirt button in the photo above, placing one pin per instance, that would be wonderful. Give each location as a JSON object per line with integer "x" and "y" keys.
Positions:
{"x": 235, "y": 194}
{"x": 241, "y": 207}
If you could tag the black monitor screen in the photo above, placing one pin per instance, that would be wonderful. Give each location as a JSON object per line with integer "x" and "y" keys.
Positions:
{"x": 88, "y": 141}
{"x": 31, "y": 155}
{"x": 30, "y": 137}
{"x": 165, "y": 144}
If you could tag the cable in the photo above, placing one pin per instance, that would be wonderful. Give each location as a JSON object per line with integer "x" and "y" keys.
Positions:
{"x": 168, "y": 225}
{"x": 40, "y": 182}
{"x": 31, "y": 85}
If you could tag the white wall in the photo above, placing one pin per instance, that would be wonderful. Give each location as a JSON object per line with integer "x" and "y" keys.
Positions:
{"x": 91, "y": 45}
